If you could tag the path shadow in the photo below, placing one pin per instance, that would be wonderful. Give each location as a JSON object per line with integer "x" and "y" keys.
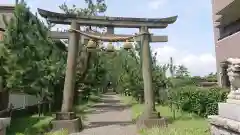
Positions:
{"x": 112, "y": 107}
{"x": 110, "y": 101}
{"x": 101, "y": 108}
{"x": 108, "y": 104}
{"x": 84, "y": 108}
{"x": 108, "y": 123}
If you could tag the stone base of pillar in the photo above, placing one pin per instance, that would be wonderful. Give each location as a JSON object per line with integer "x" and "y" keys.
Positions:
{"x": 67, "y": 120}
{"x": 4, "y": 123}
{"x": 151, "y": 123}
{"x": 155, "y": 120}
{"x": 228, "y": 120}
{"x": 72, "y": 126}
{"x": 223, "y": 126}
{"x": 3, "y": 131}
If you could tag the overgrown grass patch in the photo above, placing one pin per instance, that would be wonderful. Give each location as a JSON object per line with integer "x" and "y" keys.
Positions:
{"x": 183, "y": 124}
{"x": 29, "y": 125}
{"x": 35, "y": 125}
{"x": 175, "y": 131}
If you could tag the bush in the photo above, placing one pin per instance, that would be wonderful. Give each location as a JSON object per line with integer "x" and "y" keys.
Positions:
{"x": 202, "y": 101}
{"x": 174, "y": 131}
{"x": 60, "y": 132}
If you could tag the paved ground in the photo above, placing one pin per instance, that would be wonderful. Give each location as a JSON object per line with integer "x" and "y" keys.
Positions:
{"x": 109, "y": 117}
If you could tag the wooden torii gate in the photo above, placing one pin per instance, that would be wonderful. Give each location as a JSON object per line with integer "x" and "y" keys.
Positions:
{"x": 150, "y": 116}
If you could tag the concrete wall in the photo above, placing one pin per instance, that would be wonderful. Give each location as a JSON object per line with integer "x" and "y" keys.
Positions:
{"x": 8, "y": 17}
{"x": 8, "y": 12}
{"x": 22, "y": 100}
{"x": 220, "y": 4}
{"x": 226, "y": 47}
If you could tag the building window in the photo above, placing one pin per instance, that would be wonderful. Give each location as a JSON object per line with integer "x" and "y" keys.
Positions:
{"x": 229, "y": 29}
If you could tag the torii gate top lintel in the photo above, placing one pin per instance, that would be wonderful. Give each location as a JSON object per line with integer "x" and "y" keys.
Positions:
{"x": 124, "y": 22}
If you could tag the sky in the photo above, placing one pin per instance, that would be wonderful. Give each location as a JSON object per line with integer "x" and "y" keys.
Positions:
{"x": 191, "y": 41}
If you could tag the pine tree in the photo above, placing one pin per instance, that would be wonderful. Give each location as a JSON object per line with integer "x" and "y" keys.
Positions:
{"x": 32, "y": 62}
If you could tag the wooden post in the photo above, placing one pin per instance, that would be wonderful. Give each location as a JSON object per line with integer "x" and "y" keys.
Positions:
{"x": 149, "y": 108}
{"x": 1, "y": 84}
{"x": 68, "y": 92}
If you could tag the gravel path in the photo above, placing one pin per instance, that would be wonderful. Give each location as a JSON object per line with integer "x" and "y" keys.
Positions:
{"x": 110, "y": 117}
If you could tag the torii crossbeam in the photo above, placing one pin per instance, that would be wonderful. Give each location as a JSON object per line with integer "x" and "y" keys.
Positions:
{"x": 65, "y": 35}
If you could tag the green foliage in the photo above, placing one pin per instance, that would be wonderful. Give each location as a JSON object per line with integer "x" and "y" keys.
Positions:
{"x": 184, "y": 81}
{"x": 174, "y": 131}
{"x": 95, "y": 78}
{"x": 211, "y": 77}
{"x": 60, "y": 132}
{"x": 130, "y": 79}
{"x": 92, "y": 9}
{"x": 181, "y": 71}
{"x": 30, "y": 60}
{"x": 29, "y": 125}
{"x": 202, "y": 101}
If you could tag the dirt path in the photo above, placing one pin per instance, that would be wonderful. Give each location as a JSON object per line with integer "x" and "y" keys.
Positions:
{"x": 110, "y": 117}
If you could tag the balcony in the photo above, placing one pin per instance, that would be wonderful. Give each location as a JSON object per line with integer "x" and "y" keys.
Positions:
{"x": 229, "y": 29}
{"x": 229, "y": 14}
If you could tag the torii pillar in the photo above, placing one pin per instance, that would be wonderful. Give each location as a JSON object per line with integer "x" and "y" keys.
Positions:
{"x": 150, "y": 116}
{"x": 66, "y": 119}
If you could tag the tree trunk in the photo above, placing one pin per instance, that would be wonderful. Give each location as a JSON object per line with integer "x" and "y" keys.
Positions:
{"x": 4, "y": 96}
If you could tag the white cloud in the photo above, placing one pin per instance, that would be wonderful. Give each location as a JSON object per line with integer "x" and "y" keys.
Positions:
{"x": 155, "y": 4}
{"x": 198, "y": 65}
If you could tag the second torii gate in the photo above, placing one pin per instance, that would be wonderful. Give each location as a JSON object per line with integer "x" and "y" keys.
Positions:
{"x": 150, "y": 117}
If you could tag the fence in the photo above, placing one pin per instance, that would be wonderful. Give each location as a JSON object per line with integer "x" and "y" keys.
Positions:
{"x": 3, "y": 99}
{"x": 24, "y": 105}
{"x": 21, "y": 100}
{"x": 20, "y": 104}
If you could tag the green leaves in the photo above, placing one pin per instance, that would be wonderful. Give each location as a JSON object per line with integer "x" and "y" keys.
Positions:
{"x": 29, "y": 59}
{"x": 93, "y": 8}
{"x": 202, "y": 101}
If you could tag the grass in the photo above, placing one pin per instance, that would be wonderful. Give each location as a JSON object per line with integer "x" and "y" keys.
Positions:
{"x": 35, "y": 125}
{"x": 29, "y": 125}
{"x": 183, "y": 124}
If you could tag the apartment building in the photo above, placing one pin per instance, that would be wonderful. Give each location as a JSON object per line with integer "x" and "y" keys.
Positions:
{"x": 226, "y": 22}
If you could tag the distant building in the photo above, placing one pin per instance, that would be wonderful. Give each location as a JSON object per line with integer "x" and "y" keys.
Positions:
{"x": 6, "y": 10}
{"x": 226, "y": 21}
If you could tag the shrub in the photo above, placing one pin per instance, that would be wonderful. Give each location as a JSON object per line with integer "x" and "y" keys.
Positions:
{"x": 60, "y": 132}
{"x": 174, "y": 131}
{"x": 202, "y": 101}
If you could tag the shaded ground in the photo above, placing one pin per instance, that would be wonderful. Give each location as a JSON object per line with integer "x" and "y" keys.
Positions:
{"x": 35, "y": 125}
{"x": 109, "y": 117}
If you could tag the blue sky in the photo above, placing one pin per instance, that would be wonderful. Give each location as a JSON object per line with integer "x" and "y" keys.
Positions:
{"x": 190, "y": 38}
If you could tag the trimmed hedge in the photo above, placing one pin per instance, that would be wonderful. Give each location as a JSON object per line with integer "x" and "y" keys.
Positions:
{"x": 201, "y": 101}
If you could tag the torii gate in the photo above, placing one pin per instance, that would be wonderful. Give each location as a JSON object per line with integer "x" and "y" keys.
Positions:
{"x": 150, "y": 117}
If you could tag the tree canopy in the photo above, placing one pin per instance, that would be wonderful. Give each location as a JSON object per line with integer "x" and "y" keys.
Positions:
{"x": 30, "y": 59}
